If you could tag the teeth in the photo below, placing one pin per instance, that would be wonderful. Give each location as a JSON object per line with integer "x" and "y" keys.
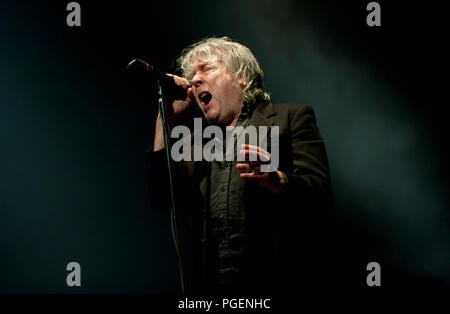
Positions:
{"x": 205, "y": 97}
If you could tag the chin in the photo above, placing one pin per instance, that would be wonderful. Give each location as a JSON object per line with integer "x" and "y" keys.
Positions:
{"x": 212, "y": 117}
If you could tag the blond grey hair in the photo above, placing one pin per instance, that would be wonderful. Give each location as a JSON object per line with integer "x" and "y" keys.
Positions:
{"x": 239, "y": 60}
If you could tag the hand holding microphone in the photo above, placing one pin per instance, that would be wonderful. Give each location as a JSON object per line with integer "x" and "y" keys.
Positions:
{"x": 177, "y": 92}
{"x": 179, "y": 101}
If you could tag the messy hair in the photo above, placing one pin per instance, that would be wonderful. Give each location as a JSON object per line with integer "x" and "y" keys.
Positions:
{"x": 239, "y": 60}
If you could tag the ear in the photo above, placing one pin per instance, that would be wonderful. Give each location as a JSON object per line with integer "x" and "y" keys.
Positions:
{"x": 242, "y": 82}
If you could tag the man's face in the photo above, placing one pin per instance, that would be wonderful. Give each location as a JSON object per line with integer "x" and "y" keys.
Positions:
{"x": 217, "y": 92}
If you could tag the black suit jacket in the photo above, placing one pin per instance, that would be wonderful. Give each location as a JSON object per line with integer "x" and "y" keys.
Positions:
{"x": 286, "y": 233}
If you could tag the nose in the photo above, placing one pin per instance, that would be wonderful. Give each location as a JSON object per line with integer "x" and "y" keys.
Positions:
{"x": 197, "y": 80}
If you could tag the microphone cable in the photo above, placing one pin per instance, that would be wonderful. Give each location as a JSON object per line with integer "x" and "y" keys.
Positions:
{"x": 173, "y": 221}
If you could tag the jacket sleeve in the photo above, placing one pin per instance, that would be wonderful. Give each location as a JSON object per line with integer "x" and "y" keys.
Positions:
{"x": 309, "y": 177}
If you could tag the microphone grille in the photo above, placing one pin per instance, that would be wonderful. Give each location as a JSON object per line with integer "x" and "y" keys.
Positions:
{"x": 139, "y": 64}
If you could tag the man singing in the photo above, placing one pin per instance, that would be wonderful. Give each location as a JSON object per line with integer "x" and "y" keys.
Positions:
{"x": 250, "y": 231}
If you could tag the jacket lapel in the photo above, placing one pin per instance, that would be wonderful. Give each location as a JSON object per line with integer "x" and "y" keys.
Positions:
{"x": 262, "y": 116}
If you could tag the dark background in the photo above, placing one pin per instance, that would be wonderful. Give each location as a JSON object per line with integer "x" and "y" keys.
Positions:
{"x": 73, "y": 132}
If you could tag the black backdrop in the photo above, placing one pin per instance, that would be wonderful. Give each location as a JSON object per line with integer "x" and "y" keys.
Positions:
{"x": 73, "y": 132}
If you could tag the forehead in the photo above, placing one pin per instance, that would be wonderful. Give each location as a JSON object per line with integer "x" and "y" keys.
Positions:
{"x": 200, "y": 63}
{"x": 200, "y": 58}
{"x": 208, "y": 56}
{"x": 206, "y": 65}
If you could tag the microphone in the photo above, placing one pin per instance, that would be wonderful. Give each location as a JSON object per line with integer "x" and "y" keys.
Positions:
{"x": 167, "y": 83}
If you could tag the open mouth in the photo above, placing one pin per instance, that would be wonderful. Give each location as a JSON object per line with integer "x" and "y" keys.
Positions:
{"x": 205, "y": 97}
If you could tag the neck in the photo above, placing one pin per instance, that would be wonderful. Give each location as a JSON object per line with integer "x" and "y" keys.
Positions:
{"x": 235, "y": 119}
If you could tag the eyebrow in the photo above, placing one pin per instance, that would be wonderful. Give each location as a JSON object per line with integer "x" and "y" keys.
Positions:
{"x": 201, "y": 66}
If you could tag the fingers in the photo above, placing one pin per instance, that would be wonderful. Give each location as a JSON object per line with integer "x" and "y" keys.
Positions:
{"x": 255, "y": 156}
{"x": 248, "y": 167}
{"x": 244, "y": 167}
{"x": 254, "y": 153}
{"x": 190, "y": 93}
{"x": 253, "y": 147}
{"x": 254, "y": 176}
{"x": 180, "y": 81}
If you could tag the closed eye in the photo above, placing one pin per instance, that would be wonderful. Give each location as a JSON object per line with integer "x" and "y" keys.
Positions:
{"x": 208, "y": 68}
{"x": 205, "y": 68}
